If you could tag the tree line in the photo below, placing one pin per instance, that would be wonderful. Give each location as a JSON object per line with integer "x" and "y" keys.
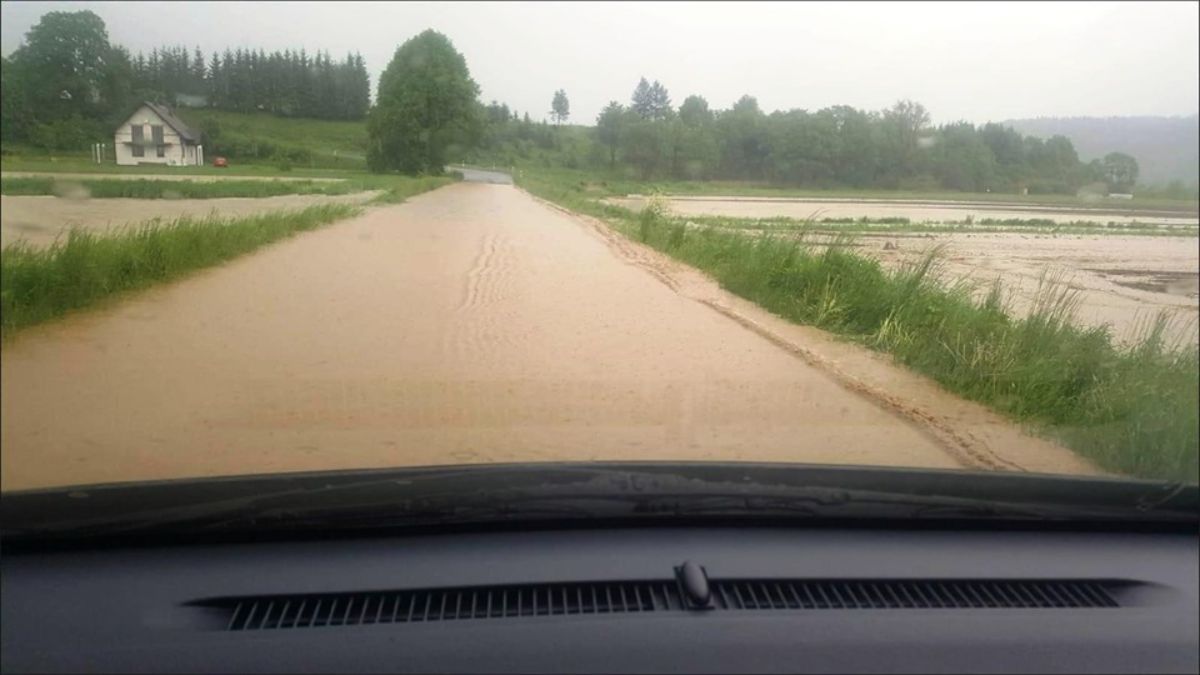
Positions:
{"x": 67, "y": 86}
{"x": 840, "y": 146}
{"x": 288, "y": 83}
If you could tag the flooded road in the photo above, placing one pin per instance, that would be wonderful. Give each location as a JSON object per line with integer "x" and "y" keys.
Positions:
{"x": 470, "y": 324}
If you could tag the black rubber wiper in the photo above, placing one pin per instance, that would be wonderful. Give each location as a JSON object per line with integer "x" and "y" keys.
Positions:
{"x": 579, "y": 493}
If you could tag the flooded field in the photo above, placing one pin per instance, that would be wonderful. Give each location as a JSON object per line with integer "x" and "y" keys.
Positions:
{"x": 1123, "y": 280}
{"x": 201, "y": 178}
{"x": 470, "y": 324}
{"x": 39, "y": 220}
{"x": 916, "y": 211}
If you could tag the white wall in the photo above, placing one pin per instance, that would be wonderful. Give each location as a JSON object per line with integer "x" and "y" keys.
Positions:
{"x": 176, "y": 152}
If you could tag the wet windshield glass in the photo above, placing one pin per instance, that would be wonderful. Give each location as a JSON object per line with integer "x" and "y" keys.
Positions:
{"x": 931, "y": 236}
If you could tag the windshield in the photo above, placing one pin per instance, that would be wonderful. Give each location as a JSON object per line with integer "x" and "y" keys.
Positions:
{"x": 918, "y": 236}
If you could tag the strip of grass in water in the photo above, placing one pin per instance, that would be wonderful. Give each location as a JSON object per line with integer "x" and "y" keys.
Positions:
{"x": 173, "y": 189}
{"x": 877, "y": 225}
{"x": 1132, "y": 410}
{"x": 85, "y": 268}
{"x": 616, "y": 184}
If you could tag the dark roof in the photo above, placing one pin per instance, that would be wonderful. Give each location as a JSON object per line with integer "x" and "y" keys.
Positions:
{"x": 174, "y": 122}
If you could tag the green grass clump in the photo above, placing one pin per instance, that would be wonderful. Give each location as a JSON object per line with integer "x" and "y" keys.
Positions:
{"x": 175, "y": 189}
{"x": 396, "y": 190}
{"x": 1131, "y": 410}
{"x": 84, "y": 268}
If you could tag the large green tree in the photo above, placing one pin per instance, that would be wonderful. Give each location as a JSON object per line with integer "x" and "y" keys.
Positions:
{"x": 694, "y": 111}
{"x": 76, "y": 71}
{"x": 427, "y": 101}
{"x": 1121, "y": 171}
{"x": 609, "y": 126}
{"x": 15, "y": 115}
{"x": 560, "y": 107}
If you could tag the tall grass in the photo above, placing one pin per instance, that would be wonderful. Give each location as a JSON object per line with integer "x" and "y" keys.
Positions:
{"x": 174, "y": 189}
{"x": 1131, "y": 410}
{"x": 84, "y": 268}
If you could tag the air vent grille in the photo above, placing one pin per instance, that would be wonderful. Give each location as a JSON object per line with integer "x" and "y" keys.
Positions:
{"x": 920, "y": 594}
{"x": 449, "y": 604}
{"x": 502, "y": 602}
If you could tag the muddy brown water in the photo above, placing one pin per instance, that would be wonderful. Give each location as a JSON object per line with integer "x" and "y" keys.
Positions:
{"x": 39, "y": 220}
{"x": 470, "y": 324}
{"x": 1119, "y": 281}
{"x": 752, "y": 207}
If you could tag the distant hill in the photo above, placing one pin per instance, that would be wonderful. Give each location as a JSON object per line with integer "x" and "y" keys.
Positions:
{"x": 1166, "y": 148}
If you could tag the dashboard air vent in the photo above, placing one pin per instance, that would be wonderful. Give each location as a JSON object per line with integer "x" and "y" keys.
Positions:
{"x": 572, "y": 599}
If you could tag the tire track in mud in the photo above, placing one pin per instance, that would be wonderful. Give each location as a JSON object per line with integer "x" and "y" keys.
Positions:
{"x": 485, "y": 328}
{"x": 960, "y": 444}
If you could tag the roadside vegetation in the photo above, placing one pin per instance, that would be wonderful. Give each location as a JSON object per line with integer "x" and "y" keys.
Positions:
{"x": 84, "y": 268}
{"x": 173, "y": 189}
{"x": 1132, "y": 410}
{"x": 398, "y": 189}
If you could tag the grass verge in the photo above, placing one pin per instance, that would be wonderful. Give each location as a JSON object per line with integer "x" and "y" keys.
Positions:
{"x": 1131, "y": 410}
{"x": 83, "y": 269}
{"x": 174, "y": 189}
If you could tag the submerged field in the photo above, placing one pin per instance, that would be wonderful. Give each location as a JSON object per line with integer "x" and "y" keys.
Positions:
{"x": 40, "y": 221}
{"x": 38, "y": 208}
{"x": 913, "y": 211}
{"x": 1126, "y": 267}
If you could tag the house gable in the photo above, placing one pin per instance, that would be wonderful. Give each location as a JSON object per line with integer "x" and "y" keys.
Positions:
{"x": 149, "y": 113}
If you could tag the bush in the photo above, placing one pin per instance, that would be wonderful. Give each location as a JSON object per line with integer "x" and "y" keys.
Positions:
{"x": 70, "y": 134}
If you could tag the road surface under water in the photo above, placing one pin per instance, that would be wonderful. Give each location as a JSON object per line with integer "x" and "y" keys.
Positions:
{"x": 470, "y": 324}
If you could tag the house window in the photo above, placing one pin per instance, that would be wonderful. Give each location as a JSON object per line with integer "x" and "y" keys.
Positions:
{"x": 136, "y": 135}
{"x": 156, "y": 136}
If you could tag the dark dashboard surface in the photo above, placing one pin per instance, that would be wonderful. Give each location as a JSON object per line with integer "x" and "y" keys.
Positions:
{"x": 144, "y": 609}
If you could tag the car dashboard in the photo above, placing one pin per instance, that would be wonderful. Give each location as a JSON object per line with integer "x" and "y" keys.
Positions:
{"x": 705, "y": 599}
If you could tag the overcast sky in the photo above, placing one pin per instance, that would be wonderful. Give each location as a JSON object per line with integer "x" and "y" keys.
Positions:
{"x": 968, "y": 61}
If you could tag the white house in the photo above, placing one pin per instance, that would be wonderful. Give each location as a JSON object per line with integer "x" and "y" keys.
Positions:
{"x": 153, "y": 135}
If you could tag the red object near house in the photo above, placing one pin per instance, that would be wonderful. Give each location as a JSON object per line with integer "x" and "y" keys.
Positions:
{"x": 220, "y": 161}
